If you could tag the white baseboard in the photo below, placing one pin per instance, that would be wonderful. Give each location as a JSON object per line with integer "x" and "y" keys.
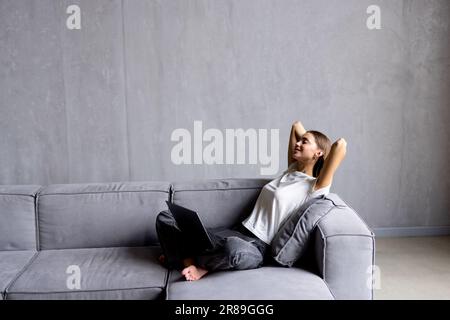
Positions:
{"x": 412, "y": 231}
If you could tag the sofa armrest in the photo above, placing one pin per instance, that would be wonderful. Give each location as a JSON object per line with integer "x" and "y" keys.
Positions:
{"x": 345, "y": 254}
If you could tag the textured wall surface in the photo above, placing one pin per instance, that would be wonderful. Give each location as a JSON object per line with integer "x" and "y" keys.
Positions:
{"x": 100, "y": 104}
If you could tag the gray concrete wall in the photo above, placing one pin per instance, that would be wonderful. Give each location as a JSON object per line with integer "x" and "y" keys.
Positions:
{"x": 100, "y": 104}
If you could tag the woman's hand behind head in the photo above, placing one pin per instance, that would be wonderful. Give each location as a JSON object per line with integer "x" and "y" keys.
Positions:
{"x": 340, "y": 143}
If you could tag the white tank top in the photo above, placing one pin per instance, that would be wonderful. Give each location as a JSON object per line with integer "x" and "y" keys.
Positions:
{"x": 278, "y": 199}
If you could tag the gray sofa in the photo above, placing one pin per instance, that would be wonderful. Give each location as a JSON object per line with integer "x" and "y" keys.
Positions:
{"x": 107, "y": 232}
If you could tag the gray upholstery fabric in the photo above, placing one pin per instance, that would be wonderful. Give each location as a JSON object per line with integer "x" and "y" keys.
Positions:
{"x": 100, "y": 215}
{"x": 118, "y": 294}
{"x": 108, "y": 231}
{"x": 106, "y": 273}
{"x": 17, "y": 217}
{"x": 293, "y": 237}
{"x": 11, "y": 264}
{"x": 25, "y": 190}
{"x": 266, "y": 283}
{"x": 345, "y": 252}
{"x": 219, "y": 202}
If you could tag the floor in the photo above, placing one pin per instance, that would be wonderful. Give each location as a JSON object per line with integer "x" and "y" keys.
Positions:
{"x": 413, "y": 268}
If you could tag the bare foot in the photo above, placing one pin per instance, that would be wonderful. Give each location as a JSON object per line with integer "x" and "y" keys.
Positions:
{"x": 193, "y": 273}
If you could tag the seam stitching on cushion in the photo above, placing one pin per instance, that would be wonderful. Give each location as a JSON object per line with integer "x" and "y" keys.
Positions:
{"x": 100, "y": 192}
{"x": 84, "y": 291}
{"x": 36, "y": 216}
{"x": 18, "y": 194}
{"x": 323, "y": 251}
{"x": 328, "y": 197}
{"x": 109, "y": 247}
{"x": 217, "y": 189}
{"x": 349, "y": 234}
{"x": 324, "y": 261}
{"x": 36, "y": 222}
{"x": 19, "y": 274}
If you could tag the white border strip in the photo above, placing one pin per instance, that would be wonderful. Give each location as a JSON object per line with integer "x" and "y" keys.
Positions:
{"x": 412, "y": 231}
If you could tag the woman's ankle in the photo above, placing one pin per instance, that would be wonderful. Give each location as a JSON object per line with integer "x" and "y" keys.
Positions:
{"x": 188, "y": 262}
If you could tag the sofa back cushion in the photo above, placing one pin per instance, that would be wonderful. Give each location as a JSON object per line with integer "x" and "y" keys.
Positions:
{"x": 17, "y": 217}
{"x": 95, "y": 215}
{"x": 219, "y": 202}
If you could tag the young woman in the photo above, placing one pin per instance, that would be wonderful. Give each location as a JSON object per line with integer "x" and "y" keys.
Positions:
{"x": 312, "y": 162}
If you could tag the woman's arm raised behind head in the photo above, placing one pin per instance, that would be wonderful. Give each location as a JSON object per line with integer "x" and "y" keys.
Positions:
{"x": 297, "y": 131}
{"x": 332, "y": 162}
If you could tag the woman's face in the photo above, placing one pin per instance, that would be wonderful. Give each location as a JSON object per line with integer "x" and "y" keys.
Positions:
{"x": 306, "y": 148}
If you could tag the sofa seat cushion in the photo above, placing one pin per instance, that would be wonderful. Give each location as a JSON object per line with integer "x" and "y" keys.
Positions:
{"x": 11, "y": 264}
{"x": 105, "y": 273}
{"x": 265, "y": 283}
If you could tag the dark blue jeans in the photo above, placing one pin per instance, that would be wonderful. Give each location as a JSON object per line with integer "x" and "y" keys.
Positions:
{"x": 236, "y": 248}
